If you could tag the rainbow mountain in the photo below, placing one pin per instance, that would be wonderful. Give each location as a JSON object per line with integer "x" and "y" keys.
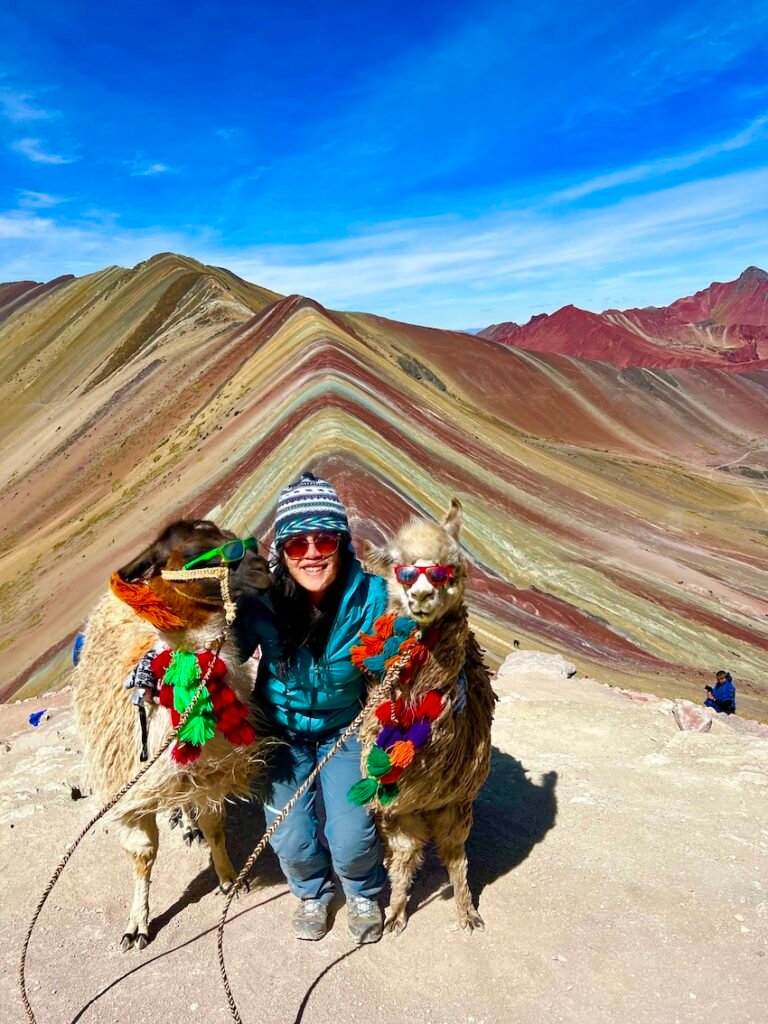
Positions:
{"x": 614, "y": 514}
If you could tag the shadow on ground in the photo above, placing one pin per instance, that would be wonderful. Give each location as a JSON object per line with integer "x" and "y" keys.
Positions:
{"x": 512, "y": 815}
{"x": 245, "y": 827}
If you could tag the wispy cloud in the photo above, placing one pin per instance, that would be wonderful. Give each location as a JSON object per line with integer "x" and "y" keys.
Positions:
{"x": 38, "y": 200}
{"x": 756, "y": 131}
{"x": 457, "y": 272}
{"x": 33, "y": 150}
{"x": 144, "y": 169}
{"x": 19, "y": 106}
{"x": 228, "y": 134}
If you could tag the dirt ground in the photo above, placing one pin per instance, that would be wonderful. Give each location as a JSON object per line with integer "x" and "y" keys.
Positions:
{"x": 620, "y": 866}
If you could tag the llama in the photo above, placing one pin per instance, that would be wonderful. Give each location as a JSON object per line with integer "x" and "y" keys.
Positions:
{"x": 427, "y": 751}
{"x": 196, "y": 776}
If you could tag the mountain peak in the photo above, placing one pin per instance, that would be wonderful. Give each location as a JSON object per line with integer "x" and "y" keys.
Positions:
{"x": 724, "y": 325}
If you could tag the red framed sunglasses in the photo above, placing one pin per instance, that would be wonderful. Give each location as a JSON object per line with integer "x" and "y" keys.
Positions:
{"x": 438, "y": 575}
{"x": 325, "y": 544}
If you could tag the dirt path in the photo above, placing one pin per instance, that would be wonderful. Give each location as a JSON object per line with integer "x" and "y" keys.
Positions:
{"x": 620, "y": 866}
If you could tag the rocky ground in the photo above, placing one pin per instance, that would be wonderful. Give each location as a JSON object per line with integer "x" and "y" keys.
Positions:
{"x": 619, "y": 861}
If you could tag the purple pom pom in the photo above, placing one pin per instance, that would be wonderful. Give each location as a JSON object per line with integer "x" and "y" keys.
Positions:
{"x": 419, "y": 732}
{"x": 389, "y": 734}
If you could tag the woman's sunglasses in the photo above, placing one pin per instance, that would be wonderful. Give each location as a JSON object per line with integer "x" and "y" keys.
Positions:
{"x": 325, "y": 544}
{"x": 438, "y": 575}
{"x": 232, "y": 551}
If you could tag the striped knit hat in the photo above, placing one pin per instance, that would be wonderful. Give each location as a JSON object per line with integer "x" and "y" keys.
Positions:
{"x": 309, "y": 504}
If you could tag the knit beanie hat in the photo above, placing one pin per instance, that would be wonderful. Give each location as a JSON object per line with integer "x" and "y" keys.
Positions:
{"x": 307, "y": 505}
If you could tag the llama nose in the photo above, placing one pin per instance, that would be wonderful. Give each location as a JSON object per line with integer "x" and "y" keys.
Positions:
{"x": 422, "y": 588}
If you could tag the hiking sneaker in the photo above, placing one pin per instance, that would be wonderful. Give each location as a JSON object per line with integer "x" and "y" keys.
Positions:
{"x": 310, "y": 920}
{"x": 364, "y": 919}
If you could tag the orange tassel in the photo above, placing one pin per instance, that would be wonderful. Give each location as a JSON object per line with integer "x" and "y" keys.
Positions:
{"x": 145, "y": 602}
{"x": 401, "y": 753}
{"x": 385, "y": 624}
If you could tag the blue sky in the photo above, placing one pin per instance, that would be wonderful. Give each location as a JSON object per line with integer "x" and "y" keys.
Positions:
{"x": 456, "y": 164}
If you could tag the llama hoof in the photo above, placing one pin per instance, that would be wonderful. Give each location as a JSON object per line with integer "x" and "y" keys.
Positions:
{"x": 193, "y": 835}
{"x": 226, "y": 887}
{"x": 472, "y": 921}
{"x": 141, "y": 940}
{"x": 126, "y": 942}
{"x": 176, "y": 817}
{"x": 395, "y": 924}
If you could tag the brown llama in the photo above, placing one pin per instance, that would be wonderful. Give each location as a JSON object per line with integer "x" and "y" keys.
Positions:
{"x": 425, "y": 772}
{"x": 179, "y": 616}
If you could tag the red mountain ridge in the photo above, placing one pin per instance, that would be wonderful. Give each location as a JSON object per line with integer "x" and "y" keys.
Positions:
{"x": 724, "y": 326}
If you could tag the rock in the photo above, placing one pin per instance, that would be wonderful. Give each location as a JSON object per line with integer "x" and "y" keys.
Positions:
{"x": 691, "y": 717}
{"x": 537, "y": 661}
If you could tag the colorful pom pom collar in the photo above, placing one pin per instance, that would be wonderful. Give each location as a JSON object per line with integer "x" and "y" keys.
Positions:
{"x": 217, "y": 707}
{"x": 398, "y": 647}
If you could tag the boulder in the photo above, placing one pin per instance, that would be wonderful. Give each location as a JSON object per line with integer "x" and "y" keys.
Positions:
{"x": 691, "y": 717}
{"x": 537, "y": 661}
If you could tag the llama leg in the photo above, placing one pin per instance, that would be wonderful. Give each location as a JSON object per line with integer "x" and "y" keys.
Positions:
{"x": 211, "y": 824}
{"x": 139, "y": 840}
{"x": 190, "y": 831}
{"x": 450, "y": 827}
{"x": 405, "y": 838}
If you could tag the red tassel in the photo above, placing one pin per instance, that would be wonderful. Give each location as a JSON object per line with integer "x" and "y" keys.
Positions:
{"x": 391, "y": 776}
{"x": 241, "y": 736}
{"x": 204, "y": 659}
{"x": 230, "y": 718}
{"x": 166, "y": 696}
{"x": 431, "y": 706}
{"x": 384, "y": 711}
{"x": 160, "y": 663}
{"x": 184, "y": 753}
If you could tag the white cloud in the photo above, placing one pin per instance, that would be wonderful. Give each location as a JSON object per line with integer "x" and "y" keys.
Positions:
{"x": 148, "y": 169}
{"x": 664, "y": 165}
{"x": 454, "y": 271}
{"x": 17, "y": 106}
{"x": 33, "y": 150}
{"x": 38, "y": 200}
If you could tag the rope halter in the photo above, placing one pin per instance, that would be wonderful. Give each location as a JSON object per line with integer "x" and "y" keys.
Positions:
{"x": 218, "y": 572}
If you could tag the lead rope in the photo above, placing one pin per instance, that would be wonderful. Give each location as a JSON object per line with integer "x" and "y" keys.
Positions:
{"x": 218, "y": 644}
{"x": 386, "y": 687}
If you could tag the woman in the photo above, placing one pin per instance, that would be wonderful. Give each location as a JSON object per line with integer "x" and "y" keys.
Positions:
{"x": 310, "y": 692}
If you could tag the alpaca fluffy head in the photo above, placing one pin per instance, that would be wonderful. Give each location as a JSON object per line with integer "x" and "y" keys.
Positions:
{"x": 422, "y": 542}
{"x": 181, "y": 542}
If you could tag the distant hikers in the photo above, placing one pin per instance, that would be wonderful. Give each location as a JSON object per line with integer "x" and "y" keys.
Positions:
{"x": 722, "y": 697}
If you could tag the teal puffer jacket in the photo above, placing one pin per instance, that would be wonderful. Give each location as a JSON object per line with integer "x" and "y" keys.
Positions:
{"x": 318, "y": 696}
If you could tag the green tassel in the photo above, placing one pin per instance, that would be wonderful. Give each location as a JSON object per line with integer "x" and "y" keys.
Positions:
{"x": 183, "y": 670}
{"x": 378, "y": 762}
{"x": 387, "y": 793}
{"x": 184, "y": 673}
{"x": 199, "y": 727}
{"x": 362, "y": 792}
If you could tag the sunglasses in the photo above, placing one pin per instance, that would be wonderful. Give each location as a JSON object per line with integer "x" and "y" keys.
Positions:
{"x": 438, "y": 575}
{"x": 232, "y": 551}
{"x": 325, "y": 544}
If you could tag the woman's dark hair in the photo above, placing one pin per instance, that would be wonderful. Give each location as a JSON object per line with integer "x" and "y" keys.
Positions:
{"x": 300, "y": 623}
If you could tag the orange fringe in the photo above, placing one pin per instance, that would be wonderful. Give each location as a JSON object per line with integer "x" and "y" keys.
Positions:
{"x": 401, "y": 753}
{"x": 145, "y": 602}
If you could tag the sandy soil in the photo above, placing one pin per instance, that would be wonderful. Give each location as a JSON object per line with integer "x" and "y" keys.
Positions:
{"x": 620, "y": 866}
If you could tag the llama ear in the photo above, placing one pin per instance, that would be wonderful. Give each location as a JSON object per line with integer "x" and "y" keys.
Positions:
{"x": 452, "y": 522}
{"x": 376, "y": 560}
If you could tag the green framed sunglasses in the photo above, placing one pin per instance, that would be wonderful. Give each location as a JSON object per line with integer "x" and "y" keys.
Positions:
{"x": 232, "y": 551}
